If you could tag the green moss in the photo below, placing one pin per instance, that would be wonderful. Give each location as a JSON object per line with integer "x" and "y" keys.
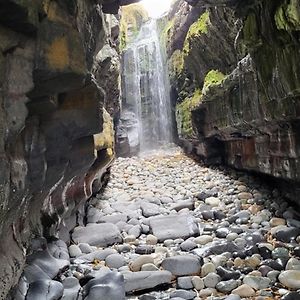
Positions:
{"x": 287, "y": 16}
{"x": 196, "y": 29}
{"x": 176, "y": 62}
{"x": 213, "y": 77}
{"x": 200, "y": 26}
{"x": 167, "y": 31}
{"x": 184, "y": 114}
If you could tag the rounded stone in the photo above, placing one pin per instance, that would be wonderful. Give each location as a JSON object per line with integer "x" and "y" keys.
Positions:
{"x": 137, "y": 264}
{"x": 293, "y": 264}
{"x": 227, "y": 286}
{"x": 115, "y": 261}
{"x": 198, "y": 283}
{"x": 280, "y": 253}
{"x": 211, "y": 280}
{"x": 207, "y": 268}
{"x": 85, "y": 248}
{"x": 188, "y": 245}
{"x": 74, "y": 251}
{"x": 244, "y": 291}
{"x": 208, "y": 292}
{"x": 151, "y": 239}
{"x": 183, "y": 294}
{"x": 149, "y": 267}
{"x": 185, "y": 282}
{"x": 290, "y": 279}
{"x": 212, "y": 201}
{"x": 129, "y": 239}
{"x": 257, "y": 283}
{"x": 203, "y": 239}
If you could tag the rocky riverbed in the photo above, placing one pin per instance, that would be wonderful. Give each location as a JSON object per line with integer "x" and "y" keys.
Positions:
{"x": 166, "y": 227}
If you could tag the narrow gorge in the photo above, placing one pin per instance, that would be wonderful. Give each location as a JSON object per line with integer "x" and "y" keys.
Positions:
{"x": 149, "y": 149}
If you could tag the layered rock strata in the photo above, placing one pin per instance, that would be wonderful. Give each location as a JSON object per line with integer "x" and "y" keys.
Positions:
{"x": 58, "y": 93}
{"x": 236, "y": 80}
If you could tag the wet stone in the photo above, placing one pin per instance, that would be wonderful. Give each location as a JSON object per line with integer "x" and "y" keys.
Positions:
{"x": 188, "y": 245}
{"x": 172, "y": 227}
{"x": 226, "y": 274}
{"x": 144, "y": 249}
{"x": 97, "y": 234}
{"x": 138, "y": 281}
{"x": 185, "y": 283}
{"x": 182, "y": 265}
{"x": 227, "y": 286}
{"x": 290, "y": 279}
{"x": 183, "y": 294}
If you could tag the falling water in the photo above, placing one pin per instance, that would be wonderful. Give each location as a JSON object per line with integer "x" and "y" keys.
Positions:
{"x": 146, "y": 88}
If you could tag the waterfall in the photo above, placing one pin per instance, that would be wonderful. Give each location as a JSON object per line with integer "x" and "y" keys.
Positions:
{"x": 146, "y": 88}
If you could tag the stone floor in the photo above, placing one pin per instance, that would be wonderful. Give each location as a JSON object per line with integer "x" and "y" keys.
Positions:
{"x": 166, "y": 227}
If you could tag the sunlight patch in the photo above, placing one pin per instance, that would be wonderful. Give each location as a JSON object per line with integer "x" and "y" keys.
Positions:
{"x": 156, "y": 8}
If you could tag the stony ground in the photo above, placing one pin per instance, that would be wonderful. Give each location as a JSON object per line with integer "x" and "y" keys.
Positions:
{"x": 175, "y": 229}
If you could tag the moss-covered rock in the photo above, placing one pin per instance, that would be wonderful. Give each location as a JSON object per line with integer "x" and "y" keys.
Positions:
{"x": 287, "y": 16}
{"x": 184, "y": 114}
{"x": 213, "y": 77}
{"x": 197, "y": 28}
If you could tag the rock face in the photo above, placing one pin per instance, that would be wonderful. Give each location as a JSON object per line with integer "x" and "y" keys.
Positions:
{"x": 56, "y": 130}
{"x": 235, "y": 77}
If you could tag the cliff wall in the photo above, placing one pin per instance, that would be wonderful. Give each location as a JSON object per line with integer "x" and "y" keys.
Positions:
{"x": 235, "y": 77}
{"x": 59, "y": 92}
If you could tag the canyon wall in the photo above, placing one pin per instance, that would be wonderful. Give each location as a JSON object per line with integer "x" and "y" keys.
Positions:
{"x": 235, "y": 71}
{"x": 59, "y": 94}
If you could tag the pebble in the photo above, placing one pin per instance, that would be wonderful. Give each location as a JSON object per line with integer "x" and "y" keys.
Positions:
{"x": 207, "y": 268}
{"x": 138, "y": 281}
{"x": 244, "y": 290}
{"x": 182, "y": 265}
{"x": 290, "y": 279}
{"x": 203, "y": 239}
{"x": 137, "y": 264}
{"x": 198, "y": 283}
{"x": 151, "y": 239}
{"x": 227, "y": 286}
{"x": 183, "y": 294}
{"x": 188, "y": 245}
{"x": 293, "y": 264}
{"x": 74, "y": 251}
{"x": 129, "y": 239}
{"x": 97, "y": 234}
{"x": 185, "y": 282}
{"x": 211, "y": 280}
{"x": 212, "y": 201}
{"x": 256, "y": 282}
{"x": 115, "y": 261}
{"x": 167, "y": 221}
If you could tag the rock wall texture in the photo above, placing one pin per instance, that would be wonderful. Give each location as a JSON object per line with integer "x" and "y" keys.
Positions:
{"x": 235, "y": 76}
{"x": 59, "y": 92}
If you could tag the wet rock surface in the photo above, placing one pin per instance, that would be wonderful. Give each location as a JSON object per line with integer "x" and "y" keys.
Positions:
{"x": 178, "y": 253}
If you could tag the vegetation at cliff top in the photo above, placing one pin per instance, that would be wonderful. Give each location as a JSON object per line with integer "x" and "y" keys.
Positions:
{"x": 197, "y": 28}
{"x": 133, "y": 16}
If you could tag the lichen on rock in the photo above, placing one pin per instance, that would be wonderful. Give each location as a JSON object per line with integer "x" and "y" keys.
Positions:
{"x": 197, "y": 28}
{"x": 287, "y": 16}
{"x": 213, "y": 77}
{"x": 184, "y": 114}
